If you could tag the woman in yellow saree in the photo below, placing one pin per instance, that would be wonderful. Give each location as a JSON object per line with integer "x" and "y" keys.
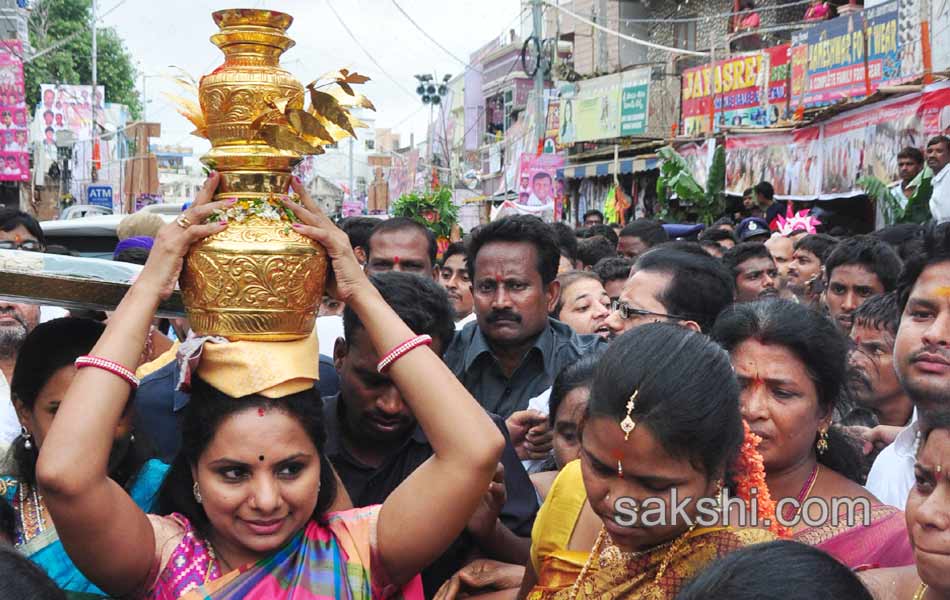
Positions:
{"x": 637, "y": 515}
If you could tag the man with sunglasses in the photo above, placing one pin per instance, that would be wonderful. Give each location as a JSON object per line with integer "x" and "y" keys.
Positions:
{"x": 673, "y": 284}
{"x": 18, "y": 231}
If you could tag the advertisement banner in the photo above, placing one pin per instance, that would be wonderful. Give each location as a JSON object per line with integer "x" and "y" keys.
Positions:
{"x": 70, "y": 107}
{"x": 402, "y": 175}
{"x": 634, "y": 102}
{"x": 699, "y": 157}
{"x": 841, "y": 58}
{"x": 825, "y": 161}
{"x": 596, "y": 109}
{"x": 14, "y": 148}
{"x": 739, "y": 87}
{"x": 866, "y": 141}
{"x": 939, "y": 30}
{"x": 791, "y": 162}
{"x": 538, "y": 177}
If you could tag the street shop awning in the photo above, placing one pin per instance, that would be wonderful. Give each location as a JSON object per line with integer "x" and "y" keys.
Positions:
{"x": 608, "y": 167}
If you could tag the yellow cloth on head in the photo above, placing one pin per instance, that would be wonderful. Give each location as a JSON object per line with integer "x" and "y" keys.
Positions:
{"x": 163, "y": 359}
{"x": 269, "y": 369}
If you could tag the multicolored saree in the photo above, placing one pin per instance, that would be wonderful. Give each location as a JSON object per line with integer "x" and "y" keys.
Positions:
{"x": 42, "y": 545}
{"x": 558, "y": 568}
{"x": 338, "y": 561}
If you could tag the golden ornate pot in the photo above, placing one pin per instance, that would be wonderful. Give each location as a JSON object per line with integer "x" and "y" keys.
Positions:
{"x": 258, "y": 279}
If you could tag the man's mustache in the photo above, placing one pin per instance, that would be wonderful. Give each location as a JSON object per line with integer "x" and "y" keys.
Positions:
{"x": 9, "y": 312}
{"x": 503, "y": 315}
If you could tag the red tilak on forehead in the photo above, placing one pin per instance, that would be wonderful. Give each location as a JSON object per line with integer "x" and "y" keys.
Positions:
{"x": 499, "y": 278}
{"x": 260, "y": 412}
{"x": 395, "y": 260}
{"x": 757, "y": 381}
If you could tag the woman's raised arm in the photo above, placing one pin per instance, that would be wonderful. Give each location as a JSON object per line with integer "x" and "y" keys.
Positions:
{"x": 430, "y": 508}
{"x": 108, "y": 537}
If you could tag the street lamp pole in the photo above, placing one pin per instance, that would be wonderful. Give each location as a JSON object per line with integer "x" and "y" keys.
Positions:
{"x": 432, "y": 94}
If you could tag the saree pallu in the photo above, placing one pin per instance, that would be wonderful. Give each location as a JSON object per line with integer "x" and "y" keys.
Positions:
{"x": 884, "y": 543}
{"x": 45, "y": 549}
{"x": 338, "y": 561}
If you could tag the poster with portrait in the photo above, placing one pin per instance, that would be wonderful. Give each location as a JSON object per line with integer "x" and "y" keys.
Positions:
{"x": 69, "y": 107}
{"x": 538, "y": 187}
{"x": 14, "y": 147}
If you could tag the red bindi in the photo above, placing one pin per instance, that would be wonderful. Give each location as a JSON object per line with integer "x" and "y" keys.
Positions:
{"x": 395, "y": 260}
{"x": 260, "y": 412}
{"x": 499, "y": 278}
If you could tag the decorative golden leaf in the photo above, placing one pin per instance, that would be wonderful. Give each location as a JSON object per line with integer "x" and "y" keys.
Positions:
{"x": 351, "y": 99}
{"x": 188, "y": 109}
{"x": 337, "y": 133}
{"x": 282, "y": 138}
{"x": 280, "y": 104}
{"x": 185, "y": 80}
{"x": 326, "y": 106}
{"x": 353, "y": 77}
{"x": 271, "y": 116}
{"x": 346, "y": 87}
{"x": 308, "y": 126}
{"x": 202, "y": 133}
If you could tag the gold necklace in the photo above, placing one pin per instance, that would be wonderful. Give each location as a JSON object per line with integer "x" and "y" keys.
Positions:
{"x": 614, "y": 554}
{"x": 921, "y": 591}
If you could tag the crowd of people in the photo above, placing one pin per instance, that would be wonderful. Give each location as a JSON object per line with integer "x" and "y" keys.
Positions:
{"x": 540, "y": 412}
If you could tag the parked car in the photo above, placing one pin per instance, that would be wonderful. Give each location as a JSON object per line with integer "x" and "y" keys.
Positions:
{"x": 79, "y": 211}
{"x": 89, "y": 236}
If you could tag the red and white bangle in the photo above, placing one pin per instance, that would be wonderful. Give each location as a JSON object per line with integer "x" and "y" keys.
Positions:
{"x": 401, "y": 350}
{"x": 110, "y": 367}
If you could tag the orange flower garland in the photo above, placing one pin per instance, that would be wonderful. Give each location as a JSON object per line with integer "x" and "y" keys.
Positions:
{"x": 750, "y": 474}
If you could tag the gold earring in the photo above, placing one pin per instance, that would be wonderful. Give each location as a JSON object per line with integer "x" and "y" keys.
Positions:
{"x": 822, "y": 444}
{"x": 619, "y": 469}
{"x": 628, "y": 424}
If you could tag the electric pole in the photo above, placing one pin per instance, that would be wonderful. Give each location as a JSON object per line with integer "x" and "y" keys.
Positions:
{"x": 540, "y": 117}
{"x": 95, "y": 78}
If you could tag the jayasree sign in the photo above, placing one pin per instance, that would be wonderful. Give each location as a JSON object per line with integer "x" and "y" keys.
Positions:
{"x": 738, "y": 88}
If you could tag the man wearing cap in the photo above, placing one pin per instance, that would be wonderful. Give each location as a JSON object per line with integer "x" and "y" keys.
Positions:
{"x": 752, "y": 229}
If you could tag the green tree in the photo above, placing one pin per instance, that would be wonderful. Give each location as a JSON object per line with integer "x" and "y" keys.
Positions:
{"x": 706, "y": 205}
{"x": 53, "y": 21}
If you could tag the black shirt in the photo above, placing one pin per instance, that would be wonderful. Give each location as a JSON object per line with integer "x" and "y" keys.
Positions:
{"x": 368, "y": 485}
{"x": 471, "y": 359}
